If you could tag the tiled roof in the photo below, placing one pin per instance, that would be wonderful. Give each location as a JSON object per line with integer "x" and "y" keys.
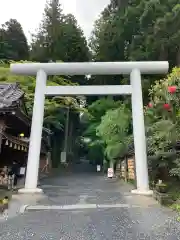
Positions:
{"x": 10, "y": 93}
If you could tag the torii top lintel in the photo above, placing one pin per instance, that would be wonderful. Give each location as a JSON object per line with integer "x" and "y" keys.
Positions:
{"x": 91, "y": 68}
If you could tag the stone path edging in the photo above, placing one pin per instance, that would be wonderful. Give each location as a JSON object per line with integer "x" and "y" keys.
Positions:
{"x": 28, "y": 208}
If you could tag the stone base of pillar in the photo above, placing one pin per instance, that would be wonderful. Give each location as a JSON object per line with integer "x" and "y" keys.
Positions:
{"x": 30, "y": 190}
{"x": 143, "y": 192}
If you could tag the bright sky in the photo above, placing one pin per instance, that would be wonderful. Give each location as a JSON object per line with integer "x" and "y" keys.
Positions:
{"x": 29, "y": 12}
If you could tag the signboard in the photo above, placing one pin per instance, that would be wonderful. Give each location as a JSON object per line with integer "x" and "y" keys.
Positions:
{"x": 63, "y": 157}
{"x": 98, "y": 168}
{"x": 110, "y": 172}
{"x": 131, "y": 169}
{"x": 22, "y": 170}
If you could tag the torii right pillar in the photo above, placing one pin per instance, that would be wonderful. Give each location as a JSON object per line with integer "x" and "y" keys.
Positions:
{"x": 139, "y": 135}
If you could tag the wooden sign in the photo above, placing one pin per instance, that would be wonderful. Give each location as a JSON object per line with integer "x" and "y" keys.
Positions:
{"x": 131, "y": 169}
{"x": 110, "y": 172}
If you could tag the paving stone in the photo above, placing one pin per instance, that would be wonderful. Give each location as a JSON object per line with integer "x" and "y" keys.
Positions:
{"x": 146, "y": 221}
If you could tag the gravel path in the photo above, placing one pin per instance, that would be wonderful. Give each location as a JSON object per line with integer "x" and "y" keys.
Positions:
{"x": 147, "y": 220}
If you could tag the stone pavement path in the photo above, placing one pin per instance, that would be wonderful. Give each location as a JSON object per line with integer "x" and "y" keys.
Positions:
{"x": 122, "y": 216}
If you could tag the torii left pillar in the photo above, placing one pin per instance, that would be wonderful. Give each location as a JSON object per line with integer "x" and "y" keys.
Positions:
{"x": 35, "y": 138}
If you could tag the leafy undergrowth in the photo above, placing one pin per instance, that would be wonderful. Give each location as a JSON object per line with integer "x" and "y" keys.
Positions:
{"x": 176, "y": 207}
{"x": 174, "y": 192}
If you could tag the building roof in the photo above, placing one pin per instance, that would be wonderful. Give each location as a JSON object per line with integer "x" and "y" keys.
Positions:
{"x": 10, "y": 93}
{"x": 11, "y": 96}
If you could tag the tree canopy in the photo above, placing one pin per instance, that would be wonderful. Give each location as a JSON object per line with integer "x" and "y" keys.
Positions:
{"x": 13, "y": 42}
{"x": 59, "y": 37}
{"x": 129, "y": 32}
{"x": 139, "y": 30}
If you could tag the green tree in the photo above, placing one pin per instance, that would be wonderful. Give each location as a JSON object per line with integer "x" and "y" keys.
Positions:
{"x": 114, "y": 131}
{"x": 133, "y": 28}
{"x": 75, "y": 46}
{"x": 47, "y": 44}
{"x": 59, "y": 38}
{"x": 140, "y": 30}
{"x": 4, "y": 47}
{"x": 74, "y": 37}
{"x": 95, "y": 112}
{"x": 155, "y": 19}
{"x": 13, "y": 42}
{"x": 93, "y": 119}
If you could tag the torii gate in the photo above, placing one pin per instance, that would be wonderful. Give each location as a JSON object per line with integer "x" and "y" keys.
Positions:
{"x": 42, "y": 70}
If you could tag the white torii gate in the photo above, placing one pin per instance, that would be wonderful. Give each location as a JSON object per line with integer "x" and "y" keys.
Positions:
{"x": 42, "y": 70}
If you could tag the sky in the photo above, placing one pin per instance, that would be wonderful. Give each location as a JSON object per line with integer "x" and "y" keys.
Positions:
{"x": 29, "y": 12}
